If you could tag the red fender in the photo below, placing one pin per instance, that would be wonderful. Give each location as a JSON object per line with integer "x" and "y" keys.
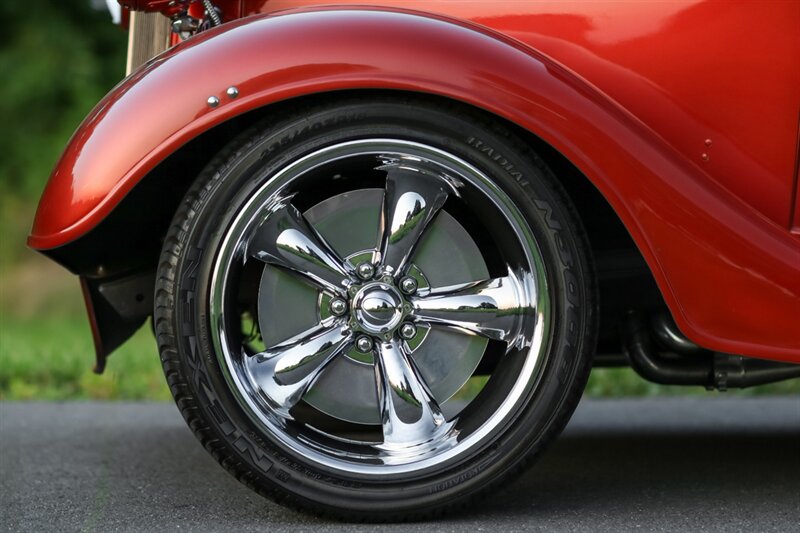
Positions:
{"x": 730, "y": 277}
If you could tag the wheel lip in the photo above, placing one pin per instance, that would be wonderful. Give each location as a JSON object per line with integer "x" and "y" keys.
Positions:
{"x": 260, "y": 198}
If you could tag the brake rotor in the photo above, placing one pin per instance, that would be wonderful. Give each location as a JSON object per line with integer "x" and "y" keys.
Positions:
{"x": 446, "y": 255}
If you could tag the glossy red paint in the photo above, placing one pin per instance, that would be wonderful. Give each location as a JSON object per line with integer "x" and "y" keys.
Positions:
{"x": 693, "y": 71}
{"x": 796, "y": 213}
{"x": 729, "y": 269}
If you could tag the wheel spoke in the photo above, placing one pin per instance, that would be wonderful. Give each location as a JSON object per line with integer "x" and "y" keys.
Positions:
{"x": 411, "y": 201}
{"x": 493, "y": 308}
{"x": 285, "y": 239}
{"x": 286, "y": 371}
{"x": 409, "y": 413}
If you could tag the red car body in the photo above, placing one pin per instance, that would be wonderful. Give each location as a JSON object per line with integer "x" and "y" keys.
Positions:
{"x": 684, "y": 115}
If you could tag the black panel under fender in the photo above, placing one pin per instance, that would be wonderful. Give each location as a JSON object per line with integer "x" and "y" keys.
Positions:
{"x": 117, "y": 308}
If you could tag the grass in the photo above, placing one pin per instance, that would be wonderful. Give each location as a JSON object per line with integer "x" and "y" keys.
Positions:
{"x": 46, "y": 349}
{"x": 52, "y": 359}
{"x": 615, "y": 382}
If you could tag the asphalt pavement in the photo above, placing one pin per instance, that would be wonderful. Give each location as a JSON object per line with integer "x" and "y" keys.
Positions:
{"x": 658, "y": 464}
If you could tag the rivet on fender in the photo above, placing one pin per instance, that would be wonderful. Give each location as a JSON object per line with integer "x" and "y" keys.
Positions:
{"x": 212, "y": 101}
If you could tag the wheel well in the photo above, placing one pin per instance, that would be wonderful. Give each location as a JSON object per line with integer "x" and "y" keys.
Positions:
{"x": 625, "y": 279}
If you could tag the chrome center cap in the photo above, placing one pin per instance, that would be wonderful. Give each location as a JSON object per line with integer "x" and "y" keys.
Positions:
{"x": 378, "y": 307}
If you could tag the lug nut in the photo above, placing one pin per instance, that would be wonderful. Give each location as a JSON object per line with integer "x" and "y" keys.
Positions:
{"x": 408, "y": 285}
{"x": 364, "y": 344}
{"x": 338, "y": 306}
{"x": 408, "y": 331}
{"x": 366, "y": 270}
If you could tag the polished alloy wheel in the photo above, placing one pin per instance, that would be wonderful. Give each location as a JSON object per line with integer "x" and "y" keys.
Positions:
{"x": 398, "y": 326}
{"x": 376, "y": 308}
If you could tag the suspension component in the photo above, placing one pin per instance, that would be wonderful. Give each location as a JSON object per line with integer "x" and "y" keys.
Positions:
{"x": 213, "y": 13}
{"x": 184, "y": 25}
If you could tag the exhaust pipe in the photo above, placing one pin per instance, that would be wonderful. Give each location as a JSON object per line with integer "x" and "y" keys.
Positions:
{"x": 660, "y": 353}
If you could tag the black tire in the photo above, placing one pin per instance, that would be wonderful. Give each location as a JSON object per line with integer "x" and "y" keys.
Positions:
{"x": 249, "y": 449}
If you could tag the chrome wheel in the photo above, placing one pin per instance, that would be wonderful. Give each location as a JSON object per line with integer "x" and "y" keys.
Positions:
{"x": 359, "y": 294}
{"x": 376, "y": 306}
